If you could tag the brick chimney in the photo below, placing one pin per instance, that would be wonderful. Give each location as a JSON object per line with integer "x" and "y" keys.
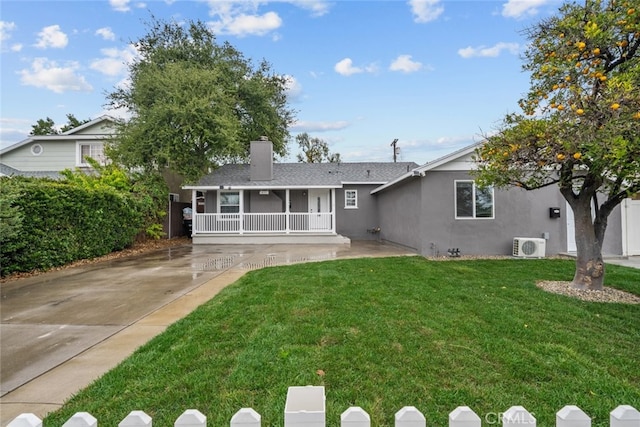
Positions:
{"x": 261, "y": 154}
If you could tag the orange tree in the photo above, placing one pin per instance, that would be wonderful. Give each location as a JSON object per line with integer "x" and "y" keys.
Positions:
{"x": 580, "y": 125}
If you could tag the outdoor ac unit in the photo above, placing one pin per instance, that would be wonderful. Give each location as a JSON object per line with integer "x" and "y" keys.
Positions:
{"x": 528, "y": 247}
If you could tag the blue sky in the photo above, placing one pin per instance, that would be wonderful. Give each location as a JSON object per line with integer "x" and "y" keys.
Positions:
{"x": 436, "y": 75}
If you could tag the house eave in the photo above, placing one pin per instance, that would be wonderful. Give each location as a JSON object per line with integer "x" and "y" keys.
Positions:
{"x": 256, "y": 187}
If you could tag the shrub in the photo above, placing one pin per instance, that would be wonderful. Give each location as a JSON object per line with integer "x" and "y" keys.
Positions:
{"x": 45, "y": 223}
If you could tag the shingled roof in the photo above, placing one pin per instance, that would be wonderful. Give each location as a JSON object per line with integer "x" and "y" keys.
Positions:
{"x": 292, "y": 175}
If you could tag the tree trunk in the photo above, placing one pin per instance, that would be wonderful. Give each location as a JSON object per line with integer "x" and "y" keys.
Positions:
{"x": 589, "y": 263}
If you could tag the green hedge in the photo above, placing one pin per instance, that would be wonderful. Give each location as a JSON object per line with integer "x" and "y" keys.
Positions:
{"x": 44, "y": 224}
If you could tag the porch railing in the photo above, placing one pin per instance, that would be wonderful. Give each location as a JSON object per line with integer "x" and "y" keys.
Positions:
{"x": 241, "y": 223}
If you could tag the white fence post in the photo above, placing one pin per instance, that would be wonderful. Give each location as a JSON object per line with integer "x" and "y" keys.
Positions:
{"x": 624, "y": 416}
{"x": 463, "y": 416}
{"x": 409, "y": 416}
{"x": 355, "y": 417}
{"x": 81, "y": 419}
{"x": 136, "y": 419}
{"x": 26, "y": 420}
{"x": 246, "y": 417}
{"x": 572, "y": 416}
{"x": 517, "y": 416}
{"x": 191, "y": 418}
{"x": 305, "y": 407}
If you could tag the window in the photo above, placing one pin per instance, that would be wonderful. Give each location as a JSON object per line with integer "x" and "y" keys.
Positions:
{"x": 229, "y": 202}
{"x": 473, "y": 201}
{"x": 95, "y": 151}
{"x": 36, "y": 149}
{"x": 350, "y": 199}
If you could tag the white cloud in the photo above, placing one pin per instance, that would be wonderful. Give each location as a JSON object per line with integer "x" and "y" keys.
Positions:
{"x": 317, "y": 7}
{"x": 5, "y": 34}
{"x": 13, "y": 130}
{"x": 345, "y": 67}
{"x": 52, "y": 36}
{"x": 293, "y": 88}
{"x": 405, "y": 64}
{"x": 115, "y": 61}
{"x": 59, "y": 79}
{"x": 489, "y": 52}
{"x": 243, "y": 17}
{"x": 106, "y": 33}
{"x": 519, "y": 8}
{"x": 306, "y": 126}
{"x": 260, "y": 25}
{"x": 426, "y": 10}
{"x": 5, "y": 30}
{"x": 120, "y": 5}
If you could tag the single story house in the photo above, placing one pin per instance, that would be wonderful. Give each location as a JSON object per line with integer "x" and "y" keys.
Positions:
{"x": 435, "y": 209}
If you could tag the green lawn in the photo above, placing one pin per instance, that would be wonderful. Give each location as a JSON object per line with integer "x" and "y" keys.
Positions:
{"x": 383, "y": 334}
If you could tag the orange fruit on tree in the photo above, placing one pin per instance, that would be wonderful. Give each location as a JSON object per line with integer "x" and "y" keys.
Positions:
{"x": 615, "y": 106}
{"x": 560, "y": 156}
{"x": 579, "y": 111}
{"x": 577, "y": 156}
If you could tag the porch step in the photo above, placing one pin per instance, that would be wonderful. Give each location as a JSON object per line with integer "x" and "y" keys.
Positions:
{"x": 266, "y": 239}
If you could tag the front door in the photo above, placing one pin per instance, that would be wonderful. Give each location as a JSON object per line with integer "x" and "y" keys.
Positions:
{"x": 319, "y": 210}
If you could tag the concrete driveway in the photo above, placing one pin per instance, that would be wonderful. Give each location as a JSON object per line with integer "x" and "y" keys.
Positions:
{"x": 62, "y": 330}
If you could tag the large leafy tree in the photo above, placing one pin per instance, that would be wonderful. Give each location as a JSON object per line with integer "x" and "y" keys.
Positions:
{"x": 314, "y": 150}
{"x": 580, "y": 127}
{"x": 196, "y": 103}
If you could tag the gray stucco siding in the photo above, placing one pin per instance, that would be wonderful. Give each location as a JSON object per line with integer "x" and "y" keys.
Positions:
{"x": 431, "y": 227}
{"x": 400, "y": 214}
{"x": 517, "y": 213}
{"x": 354, "y": 222}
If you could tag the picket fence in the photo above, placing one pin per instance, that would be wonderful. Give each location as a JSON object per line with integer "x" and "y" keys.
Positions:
{"x": 307, "y": 410}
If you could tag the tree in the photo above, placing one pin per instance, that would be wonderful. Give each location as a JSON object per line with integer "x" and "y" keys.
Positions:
{"x": 44, "y": 127}
{"x": 580, "y": 127}
{"x": 314, "y": 150}
{"x": 196, "y": 104}
{"x": 48, "y": 127}
{"x": 72, "y": 123}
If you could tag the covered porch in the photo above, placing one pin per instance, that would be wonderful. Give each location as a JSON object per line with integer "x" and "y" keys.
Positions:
{"x": 227, "y": 215}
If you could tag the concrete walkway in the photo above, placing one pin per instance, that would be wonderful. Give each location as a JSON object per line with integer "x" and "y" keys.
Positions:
{"x": 63, "y": 330}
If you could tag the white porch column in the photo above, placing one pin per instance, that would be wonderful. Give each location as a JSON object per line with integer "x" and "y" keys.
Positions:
{"x": 241, "y": 212}
{"x": 194, "y": 211}
{"x": 286, "y": 211}
{"x": 333, "y": 210}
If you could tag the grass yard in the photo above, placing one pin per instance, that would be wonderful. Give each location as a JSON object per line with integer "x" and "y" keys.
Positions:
{"x": 383, "y": 334}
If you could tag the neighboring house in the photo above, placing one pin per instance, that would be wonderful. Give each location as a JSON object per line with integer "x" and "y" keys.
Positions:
{"x": 47, "y": 155}
{"x": 431, "y": 209}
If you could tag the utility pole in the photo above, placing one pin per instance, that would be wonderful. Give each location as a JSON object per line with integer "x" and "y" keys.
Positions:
{"x": 395, "y": 150}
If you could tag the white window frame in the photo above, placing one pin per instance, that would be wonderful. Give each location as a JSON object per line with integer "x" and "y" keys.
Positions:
{"x": 474, "y": 199}
{"x": 233, "y": 217}
{"x": 99, "y": 157}
{"x": 351, "y": 196}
